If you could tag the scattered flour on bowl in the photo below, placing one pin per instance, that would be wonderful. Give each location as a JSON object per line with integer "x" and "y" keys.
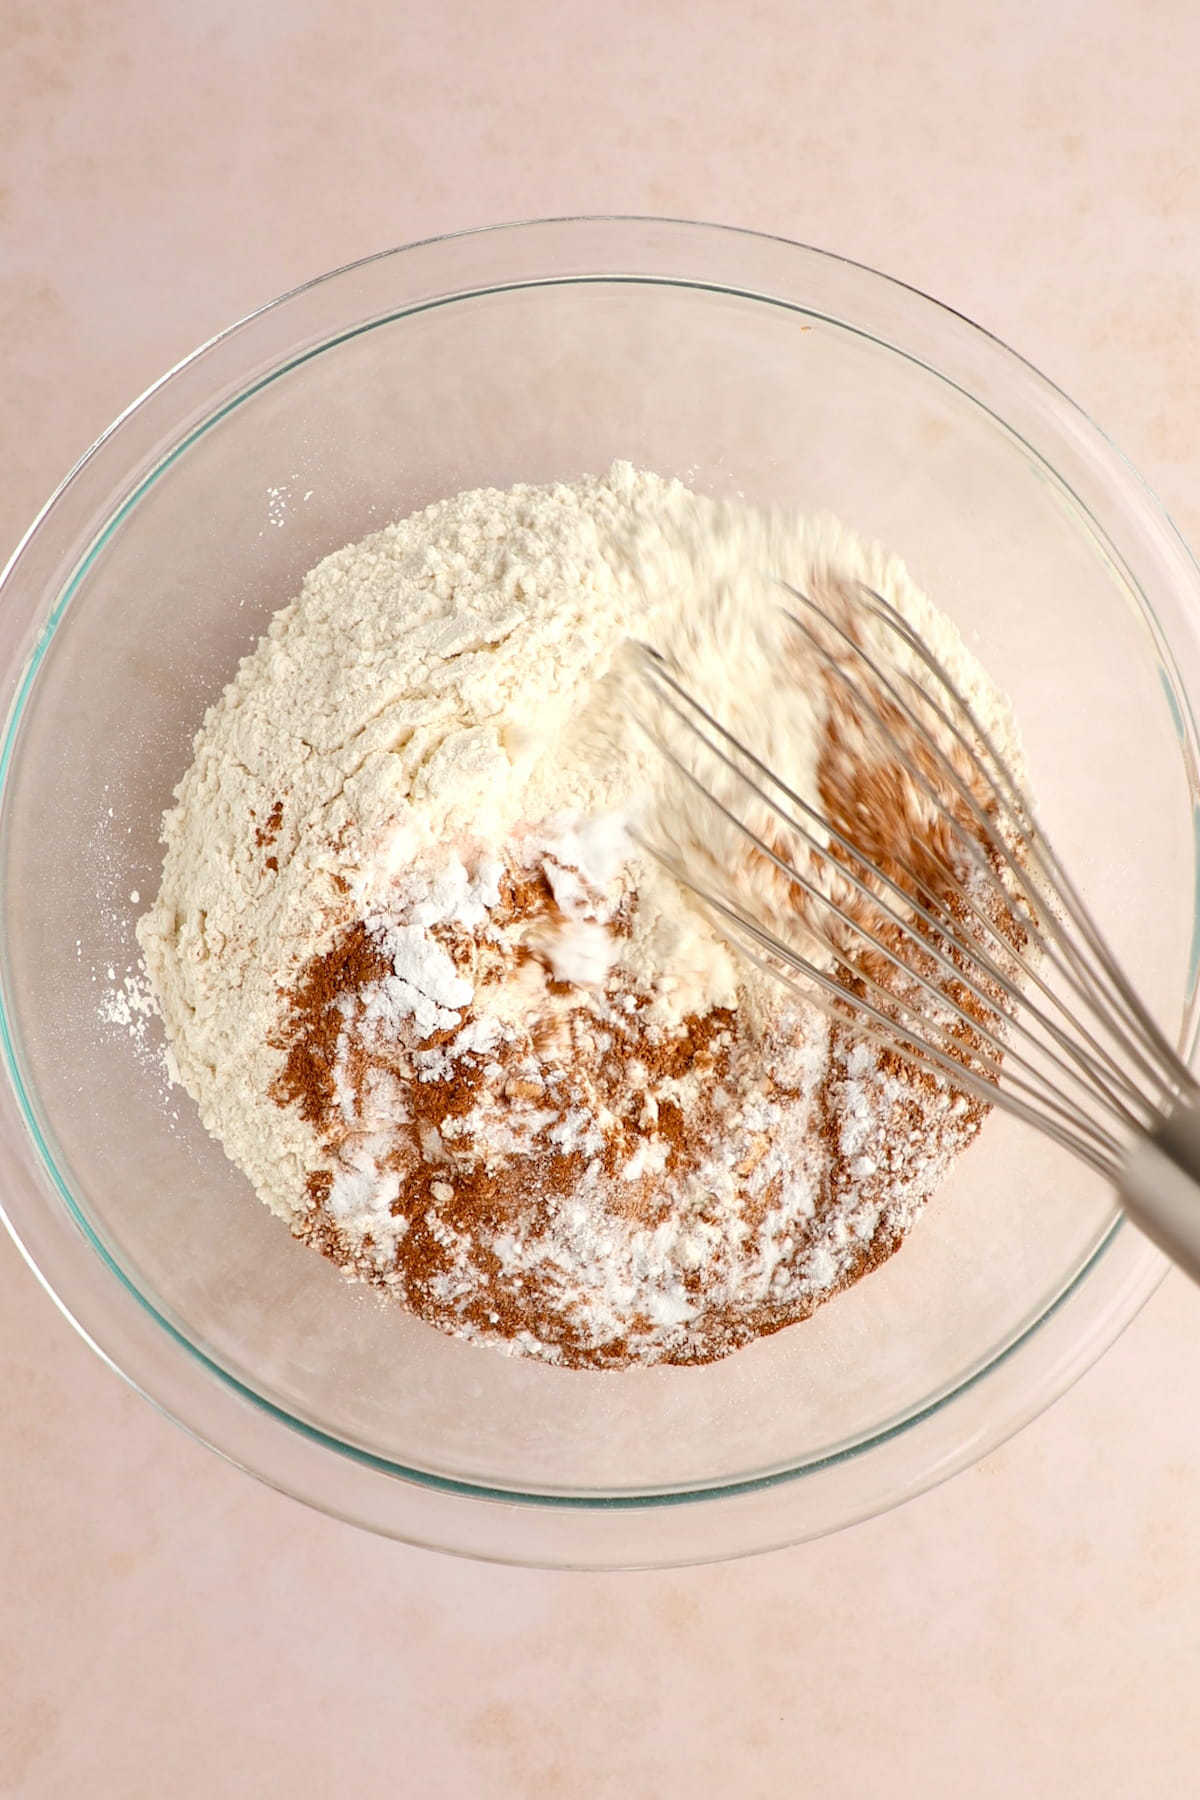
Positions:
{"x": 125, "y": 1002}
{"x": 432, "y": 997}
{"x": 128, "y": 1001}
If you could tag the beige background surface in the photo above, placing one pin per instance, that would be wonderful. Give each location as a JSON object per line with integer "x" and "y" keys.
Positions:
{"x": 167, "y": 1626}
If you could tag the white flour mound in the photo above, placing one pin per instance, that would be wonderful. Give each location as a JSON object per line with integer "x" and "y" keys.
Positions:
{"x": 435, "y": 691}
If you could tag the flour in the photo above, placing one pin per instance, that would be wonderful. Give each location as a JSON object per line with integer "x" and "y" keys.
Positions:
{"x": 428, "y": 990}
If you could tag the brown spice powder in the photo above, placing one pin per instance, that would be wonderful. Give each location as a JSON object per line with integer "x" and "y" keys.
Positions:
{"x": 463, "y": 1196}
{"x": 268, "y": 831}
{"x": 314, "y": 1022}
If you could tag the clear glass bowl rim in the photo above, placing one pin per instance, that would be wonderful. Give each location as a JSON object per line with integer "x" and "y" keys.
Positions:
{"x": 122, "y": 1325}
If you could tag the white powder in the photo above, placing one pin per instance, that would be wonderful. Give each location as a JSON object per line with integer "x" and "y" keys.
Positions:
{"x": 444, "y": 711}
{"x": 426, "y": 986}
{"x": 128, "y": 1003}
{"x": 580, "y": 951}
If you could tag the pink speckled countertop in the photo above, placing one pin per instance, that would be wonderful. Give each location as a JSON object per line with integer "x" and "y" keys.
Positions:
{"x": 167, "y": 1626}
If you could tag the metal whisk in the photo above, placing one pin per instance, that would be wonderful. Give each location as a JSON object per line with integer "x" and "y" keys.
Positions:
{"x": 967, "y": 947}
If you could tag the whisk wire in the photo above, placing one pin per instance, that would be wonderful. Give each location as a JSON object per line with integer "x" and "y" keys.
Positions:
{"x": 1113, "y": 1065}
{"x": 1120, "y": 989}
{"x": 951, "y": 969}
{"x": 1079, "y": 977}
{"x": 1002, "y": 1046}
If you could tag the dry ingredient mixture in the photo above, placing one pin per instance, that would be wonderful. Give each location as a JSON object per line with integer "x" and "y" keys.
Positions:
{"x": 458, "y": 1029}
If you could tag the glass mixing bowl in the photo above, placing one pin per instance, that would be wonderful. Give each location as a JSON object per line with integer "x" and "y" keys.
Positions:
{"x": 529, "y": 353}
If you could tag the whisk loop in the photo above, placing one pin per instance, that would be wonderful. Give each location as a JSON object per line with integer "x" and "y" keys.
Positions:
{"x": 968, "y": 947}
